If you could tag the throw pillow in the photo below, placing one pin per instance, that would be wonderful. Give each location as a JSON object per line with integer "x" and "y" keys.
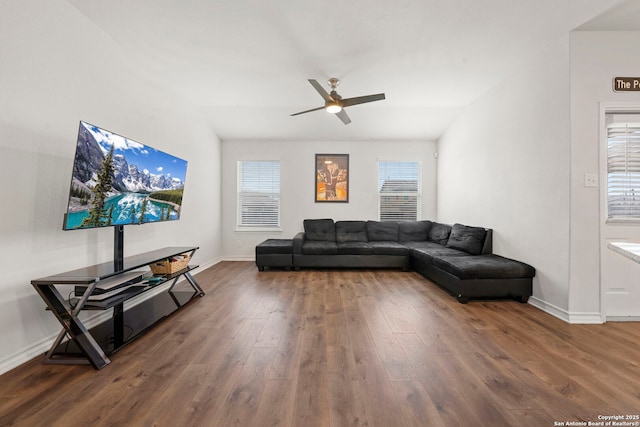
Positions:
{"x": 439, "y": 233}
{"x": 467, "y": 239}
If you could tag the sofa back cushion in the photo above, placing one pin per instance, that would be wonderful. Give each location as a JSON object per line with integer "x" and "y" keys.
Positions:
{"x": 413, "y": 231}
{"x": 439, "y": 233}
{"x": 467, "y": 239}
{"x": 320, "y": 229}
{"x": 386, "y": 231}
{"x": 351, "y": 231}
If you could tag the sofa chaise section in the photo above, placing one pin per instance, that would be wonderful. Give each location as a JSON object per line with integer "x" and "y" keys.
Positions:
{"x": 482, "y": 276}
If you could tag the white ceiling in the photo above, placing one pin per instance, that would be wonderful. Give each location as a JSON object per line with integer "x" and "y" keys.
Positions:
{"x": 245, "y": 63}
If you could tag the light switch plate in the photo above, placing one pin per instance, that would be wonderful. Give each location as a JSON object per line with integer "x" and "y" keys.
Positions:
{"x": 590, "y": 179}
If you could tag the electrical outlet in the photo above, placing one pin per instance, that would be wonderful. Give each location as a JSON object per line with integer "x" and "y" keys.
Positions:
{"x": 590, "y": 179}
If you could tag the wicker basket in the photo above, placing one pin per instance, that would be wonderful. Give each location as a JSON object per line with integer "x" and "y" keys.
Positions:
{"x": 170, "y": 265}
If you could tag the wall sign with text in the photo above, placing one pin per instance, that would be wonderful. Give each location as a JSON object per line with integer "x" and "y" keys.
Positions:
{"x": 626, "y": 84}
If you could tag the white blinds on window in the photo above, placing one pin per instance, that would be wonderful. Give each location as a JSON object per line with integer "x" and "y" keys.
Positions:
{"x": 258, "y": 194}
{"x": 623, "y": 170}
{"x": 399, "y": 191}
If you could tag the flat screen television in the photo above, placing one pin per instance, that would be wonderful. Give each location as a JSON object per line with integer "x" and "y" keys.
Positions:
{"x": 117, "y": 181}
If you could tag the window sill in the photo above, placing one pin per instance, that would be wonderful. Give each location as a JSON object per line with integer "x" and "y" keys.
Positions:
{"x": 620, "y": 221}
{"x": 259, "y": 230}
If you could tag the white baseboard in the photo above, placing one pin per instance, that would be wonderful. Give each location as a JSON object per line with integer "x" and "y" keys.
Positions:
{"x": 209, "y": 264}
{"x": 564, "y": 315}
{"x": 32, "y": 351}
{"x": 42, "y": 346}
{"x": 549, "y": 308}
{"x": 240, "y": 258}
{"x": 623, "y": 318}
{"x": 586, "y": 318}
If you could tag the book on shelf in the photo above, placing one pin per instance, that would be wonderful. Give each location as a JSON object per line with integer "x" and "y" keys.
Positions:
{"x": 116, "y": 297}
{"x": 120, "y": 294}
{"x": 126, "y": 289}
{"x": 113, "y": 285}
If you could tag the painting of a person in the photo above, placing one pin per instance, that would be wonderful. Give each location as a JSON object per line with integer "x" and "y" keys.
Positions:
{"x": 331, "y": 179}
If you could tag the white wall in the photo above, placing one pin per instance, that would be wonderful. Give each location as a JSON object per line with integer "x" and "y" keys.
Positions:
{"x": 520, "y": 154}
{"x": 297, "y": 184}
{"x": 504, "y": 164}
{"x": 596, "y": 58}
{"x": 58, "y": 68}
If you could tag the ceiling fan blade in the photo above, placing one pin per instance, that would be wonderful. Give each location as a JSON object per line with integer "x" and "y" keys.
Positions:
{"x": 325, "y": 95}
{"x": 308, "y": 111}
{"x": 362, "y": 99}
{"x": 342, "y": 115}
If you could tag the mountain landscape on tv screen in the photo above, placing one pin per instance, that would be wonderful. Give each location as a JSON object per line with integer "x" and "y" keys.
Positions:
{"x": 113, "y": 182}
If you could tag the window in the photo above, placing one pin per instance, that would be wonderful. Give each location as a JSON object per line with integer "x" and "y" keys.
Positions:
{"x": 623, "y": 167}
{"x": 399, "y": 191}
{"x": 258, "y": 191}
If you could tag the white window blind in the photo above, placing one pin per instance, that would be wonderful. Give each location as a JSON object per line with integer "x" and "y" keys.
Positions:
{"x": 623, "y": 168}
{"x": 258, "y": 194}
{"x": 399, "y": 191}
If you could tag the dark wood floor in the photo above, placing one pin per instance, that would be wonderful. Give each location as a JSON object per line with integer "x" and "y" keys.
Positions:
{"x": 340, "y": 348}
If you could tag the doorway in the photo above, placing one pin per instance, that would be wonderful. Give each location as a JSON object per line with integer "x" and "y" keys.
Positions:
{"x": 619, "y": 210}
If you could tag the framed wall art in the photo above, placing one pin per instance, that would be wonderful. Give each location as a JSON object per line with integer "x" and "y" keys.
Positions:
{"x": 332, "y": 178}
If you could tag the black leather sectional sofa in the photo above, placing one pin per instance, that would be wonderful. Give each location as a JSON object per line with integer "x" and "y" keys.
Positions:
{"x": 458, "y": 258}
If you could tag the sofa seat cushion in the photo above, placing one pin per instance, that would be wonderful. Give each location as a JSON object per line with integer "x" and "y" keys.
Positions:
{"x": 467, "y": 239}
{"x": 354, "y": 248}
{"x": 413, "y": 231}
{"x": 378, "y": 231}
{"x": 275, "y": 246}
{"x": 439, "y": 233}
{"x": 428, "y": 254}
{"x": 320, "y": 229}
{"x": 389, "y": 248}
{"x": 319, "y": 248}
{"x": 484, "y": 267}
{"x": 351, "y": 231}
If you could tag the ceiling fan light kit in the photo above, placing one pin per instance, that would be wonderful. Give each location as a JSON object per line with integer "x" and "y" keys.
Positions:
{"x": 333, "y": 107}
{"x": 333, "y": 103}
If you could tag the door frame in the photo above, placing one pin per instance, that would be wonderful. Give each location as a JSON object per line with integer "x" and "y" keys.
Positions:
{"x": 607, "y": 107}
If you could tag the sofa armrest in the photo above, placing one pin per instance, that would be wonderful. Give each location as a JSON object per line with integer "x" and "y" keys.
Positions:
{"x": 298, "y": 240}
{"x": 487, "y": 246}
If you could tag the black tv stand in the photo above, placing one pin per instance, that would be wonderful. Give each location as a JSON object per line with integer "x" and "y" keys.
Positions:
{"x": 92, "y": 346}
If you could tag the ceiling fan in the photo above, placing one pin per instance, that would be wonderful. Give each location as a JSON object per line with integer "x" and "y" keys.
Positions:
{"x": 333, "y": 103}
